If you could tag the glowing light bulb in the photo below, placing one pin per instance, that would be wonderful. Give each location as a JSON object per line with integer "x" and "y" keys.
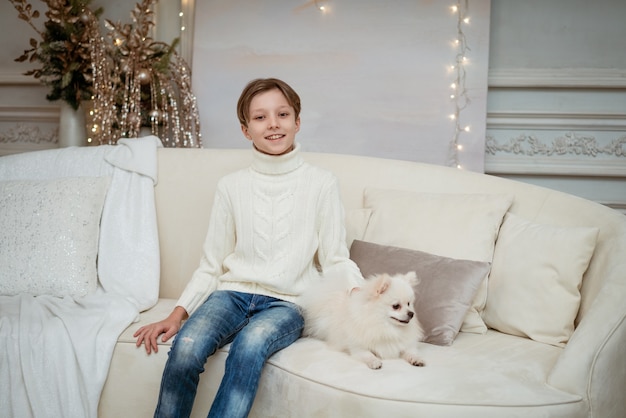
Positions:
{"x": 466, "y": 20}
{"x": 459, "y": 147}
{"x": 466, "y": 129}
{"x": 452, "y": 117}
{"x": 453, "y": 85}
{"x": 454, "y": 9}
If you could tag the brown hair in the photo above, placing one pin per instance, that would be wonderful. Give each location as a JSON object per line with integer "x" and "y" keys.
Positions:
{"x": 261, "y": 85}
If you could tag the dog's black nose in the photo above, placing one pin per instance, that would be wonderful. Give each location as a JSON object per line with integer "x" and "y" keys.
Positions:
{"x": 411, "y": 314}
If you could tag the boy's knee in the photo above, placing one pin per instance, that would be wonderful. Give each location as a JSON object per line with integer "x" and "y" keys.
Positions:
{"x": 187, "y": 353}
{"x": 256, "y": 338}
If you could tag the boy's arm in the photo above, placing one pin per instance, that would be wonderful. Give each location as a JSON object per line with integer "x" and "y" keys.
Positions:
{"x": 333, "y": 253}
{"x": 219, "y": 242}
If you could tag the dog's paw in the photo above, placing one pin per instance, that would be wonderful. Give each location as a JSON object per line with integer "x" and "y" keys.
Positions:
{"x": 374, "y": 363}
{"x": 414, "y": 360}
{"x": 417, "y": 362}
{"x": 369, "y": 358}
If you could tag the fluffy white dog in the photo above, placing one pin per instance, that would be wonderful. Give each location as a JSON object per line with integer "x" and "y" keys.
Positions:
{"x": 371, "y": 323}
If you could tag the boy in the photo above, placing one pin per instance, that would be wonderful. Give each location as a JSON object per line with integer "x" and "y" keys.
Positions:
{"x": 275, "y": 227}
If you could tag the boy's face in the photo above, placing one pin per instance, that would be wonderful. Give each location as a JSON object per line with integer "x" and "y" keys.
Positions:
{"x": 272, "y": 124}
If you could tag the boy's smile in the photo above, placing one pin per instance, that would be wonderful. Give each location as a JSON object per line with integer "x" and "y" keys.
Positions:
{"x": 272, "y": 125}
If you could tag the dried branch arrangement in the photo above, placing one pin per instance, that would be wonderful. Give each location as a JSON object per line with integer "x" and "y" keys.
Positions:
{"x": 139, "y": 82}
{"x": 133, "y": 81}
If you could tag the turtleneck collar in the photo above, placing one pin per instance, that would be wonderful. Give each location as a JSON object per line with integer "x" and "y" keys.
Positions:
{"x": 277, "y": 164}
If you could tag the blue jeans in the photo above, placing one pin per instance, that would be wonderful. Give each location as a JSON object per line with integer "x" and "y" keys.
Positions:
{"x": 258, "y": 326}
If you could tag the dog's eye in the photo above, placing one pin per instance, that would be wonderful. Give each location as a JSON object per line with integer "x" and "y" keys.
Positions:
{"x": 396, "y": 306}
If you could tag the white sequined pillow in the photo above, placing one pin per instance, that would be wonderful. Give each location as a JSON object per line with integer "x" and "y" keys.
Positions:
{"x": 49, "y": 232}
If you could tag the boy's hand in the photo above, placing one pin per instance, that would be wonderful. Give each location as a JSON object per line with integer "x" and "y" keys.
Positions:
{"x": 148, "y": 334}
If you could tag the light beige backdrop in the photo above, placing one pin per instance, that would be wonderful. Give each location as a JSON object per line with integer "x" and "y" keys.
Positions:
{"x": 374, "y": 76}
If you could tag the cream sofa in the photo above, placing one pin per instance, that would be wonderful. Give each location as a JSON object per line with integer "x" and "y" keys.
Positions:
{"x": 490, "y": 374}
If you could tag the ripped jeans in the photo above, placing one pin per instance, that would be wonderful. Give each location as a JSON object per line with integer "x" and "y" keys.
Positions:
{"x": 258, "y": 326}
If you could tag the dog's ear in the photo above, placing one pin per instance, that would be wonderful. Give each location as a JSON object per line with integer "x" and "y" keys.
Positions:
{"x": 382, "y": 283}
{"x": 412, "y": 278}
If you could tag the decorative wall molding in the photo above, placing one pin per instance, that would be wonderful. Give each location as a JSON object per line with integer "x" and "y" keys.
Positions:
{"x": 567, "y": 138}
{"x": 34, "y": 114}
{"x": 29, "y": 134}
{"x": 562, "y": 167}
{"x": 558, "y": 77}
{"x": 555, "y": 153}
{"x": 28, "y": 128}
{"x": 570, "y": 143}
{"x": 15, "y": 78}
{"x": 576, "y": 121}
{"x": 564, "y": 130}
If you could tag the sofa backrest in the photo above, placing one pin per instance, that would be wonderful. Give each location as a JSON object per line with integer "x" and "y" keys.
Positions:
{"x": 187, "y": 180}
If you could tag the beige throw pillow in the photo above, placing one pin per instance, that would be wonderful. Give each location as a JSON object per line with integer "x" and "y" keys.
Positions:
{"x": 459, "y": 226}
{"x": 356, "y": 222}
{"x": 445, "y": 290}
{"x": 537, "y": 271}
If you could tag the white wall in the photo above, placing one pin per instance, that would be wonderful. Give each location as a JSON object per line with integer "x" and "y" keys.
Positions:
{"x": 374, "y": 77}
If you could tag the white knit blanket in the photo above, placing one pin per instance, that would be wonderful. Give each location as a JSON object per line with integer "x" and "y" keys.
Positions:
{"x": 55, "y": 352}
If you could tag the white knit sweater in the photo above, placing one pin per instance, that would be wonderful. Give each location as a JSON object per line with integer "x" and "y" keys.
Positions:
{"x": 272, "y": 225}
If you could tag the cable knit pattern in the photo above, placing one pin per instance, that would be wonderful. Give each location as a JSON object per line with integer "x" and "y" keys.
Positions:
{"x": 274, "y": 209}
{"x": 268, "y": 224}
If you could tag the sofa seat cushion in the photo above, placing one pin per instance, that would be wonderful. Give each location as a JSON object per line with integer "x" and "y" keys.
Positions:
{"x": 489, "y": 370}
{"x": 492, "y": 372}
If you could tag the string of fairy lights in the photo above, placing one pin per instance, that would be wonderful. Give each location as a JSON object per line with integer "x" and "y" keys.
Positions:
{"x": 459, "y": 94}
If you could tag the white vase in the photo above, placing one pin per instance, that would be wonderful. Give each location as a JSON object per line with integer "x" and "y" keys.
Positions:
{"x": 72, "y": 128}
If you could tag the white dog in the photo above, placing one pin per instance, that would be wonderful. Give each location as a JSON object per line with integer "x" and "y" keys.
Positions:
{"x": 371, "y": 323}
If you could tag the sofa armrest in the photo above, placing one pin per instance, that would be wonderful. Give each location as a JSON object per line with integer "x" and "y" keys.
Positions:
{"x": 591, "y": 364}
